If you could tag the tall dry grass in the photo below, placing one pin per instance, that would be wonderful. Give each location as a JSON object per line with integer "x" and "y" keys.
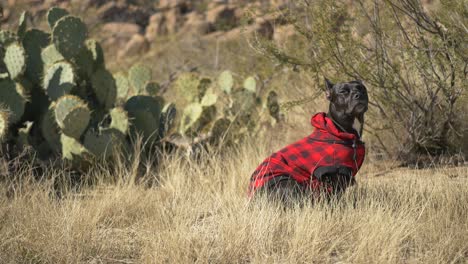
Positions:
{"x": 199, "y": 212}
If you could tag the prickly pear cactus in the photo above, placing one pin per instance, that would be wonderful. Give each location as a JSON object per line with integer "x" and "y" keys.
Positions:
{"x": 226, "y": 81}
{"x": 50, "y": 130}
{"x": 7, "y": 37}
{"x": 68, "y": 36}
{"x": 72, "y": 115}
{"x": 210, "y": 98}
{"x": 119, "y": 120}
{"x": 104, "y": 87}
{"x": 22, "y": 26}
{"x": 220, "y": 130}
{"x": 59, "y": 80}
{"x": 90, "y": 58}
{"x": 250, "y": 84}
{"x": 55, "y": 14}
{"x": 15, "y": 60}
{"x": 104, "y": 144}
{"x": 144, "y": 112}
{"x": 75, "y": 152}
{"x": 152, "y": 88}
{"x": 186, "y": 85}
{"x": 139, "y": 75}
{"x": 50, "y": 55}
{"x": 13, "y": 97}
{"x": 273, "y": 105}
{"x": 122, "y": 86}
{"x": 34, "y": 41}
{"x": 168, "y": 117}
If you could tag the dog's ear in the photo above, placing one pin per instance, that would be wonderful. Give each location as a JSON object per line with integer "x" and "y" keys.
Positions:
{"x": 329, "y": 87}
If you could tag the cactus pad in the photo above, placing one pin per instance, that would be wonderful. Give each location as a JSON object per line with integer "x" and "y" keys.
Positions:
{"x": 15, "y": 60}
{"x": 192, "y": 113}
{"x": 139, "y": 75}
{"x": 50, "y": 130}
{"x": 55, "y": 14}
{"x": 68, "y": 36}
{"x": 72, "y": 115}
{"x": 73, "y": 150}
{"x": 50, "y": 55}
{"x": 12, "y": 96}
{"x": 187, "y": 86}
{"x": 33, "y": 42}
{"x": 104, "y": 87}
{"x": 209, "y": 99}
{"x": 97, "y": 54}
{"x": 244, "y": 101}
{"x": 152, "y": 88}
{"x": 90, "y": 58}
{"x": 145, "y": 112}
{"x": 167, "y": 119}
{"x": 22, "y": 25}
{"x": 122, "y": 85}
{"x": 104, "y": 144}
{"x": 273, "y": 105}
{"x": 119, "y": 120}
{"x": 59, "y": 79}
{"x": 220, "y": 129}
{"x": 226, "y": 81}
{"x": 250, "y": 84}
{"x": 195, "y": 117}
{"x": 7, "y": 37}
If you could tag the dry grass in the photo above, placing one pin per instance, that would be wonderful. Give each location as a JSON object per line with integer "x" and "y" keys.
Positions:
{"x": 198, "y": 212}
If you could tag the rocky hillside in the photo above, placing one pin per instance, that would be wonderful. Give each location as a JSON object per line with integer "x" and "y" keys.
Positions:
{"x": 131, "y": 26}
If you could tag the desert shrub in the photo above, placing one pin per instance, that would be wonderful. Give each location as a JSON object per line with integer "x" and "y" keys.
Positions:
{"x": 412, "y": 57}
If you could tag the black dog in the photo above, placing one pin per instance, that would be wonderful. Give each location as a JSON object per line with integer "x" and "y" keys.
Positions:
{"x": 324, "y": 162}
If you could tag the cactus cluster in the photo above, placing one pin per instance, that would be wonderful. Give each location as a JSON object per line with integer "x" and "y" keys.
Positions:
{"x": 57, "y": 96}
{"x": 215, "y": 111}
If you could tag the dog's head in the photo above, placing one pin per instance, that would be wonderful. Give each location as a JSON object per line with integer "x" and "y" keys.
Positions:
{"x": 348, "y": 98}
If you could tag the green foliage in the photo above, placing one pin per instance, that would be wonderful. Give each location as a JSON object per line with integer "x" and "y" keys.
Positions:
{"x": 412, "y": 59}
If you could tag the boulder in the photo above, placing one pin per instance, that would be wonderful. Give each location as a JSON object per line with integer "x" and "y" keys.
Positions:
{"x": 121, "y": 12}
{"x": 156, "y": 26}
{"x": 195, "y": 24}
{"x": 121, "y": 29}
{"x": 222, "y": 17}
{"x": 137, "y": 45}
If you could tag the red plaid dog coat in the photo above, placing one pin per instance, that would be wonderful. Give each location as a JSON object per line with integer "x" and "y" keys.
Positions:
{"x": 307, "y": 158}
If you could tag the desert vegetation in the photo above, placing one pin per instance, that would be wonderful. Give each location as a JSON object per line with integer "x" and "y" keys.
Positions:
{"x": 129, "y": 130}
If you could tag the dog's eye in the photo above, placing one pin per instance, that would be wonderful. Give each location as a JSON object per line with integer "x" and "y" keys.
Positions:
{"x": 344, "y": 91}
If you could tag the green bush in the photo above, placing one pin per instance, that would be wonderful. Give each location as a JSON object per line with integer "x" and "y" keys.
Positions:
{"x": 412, "y": 58}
